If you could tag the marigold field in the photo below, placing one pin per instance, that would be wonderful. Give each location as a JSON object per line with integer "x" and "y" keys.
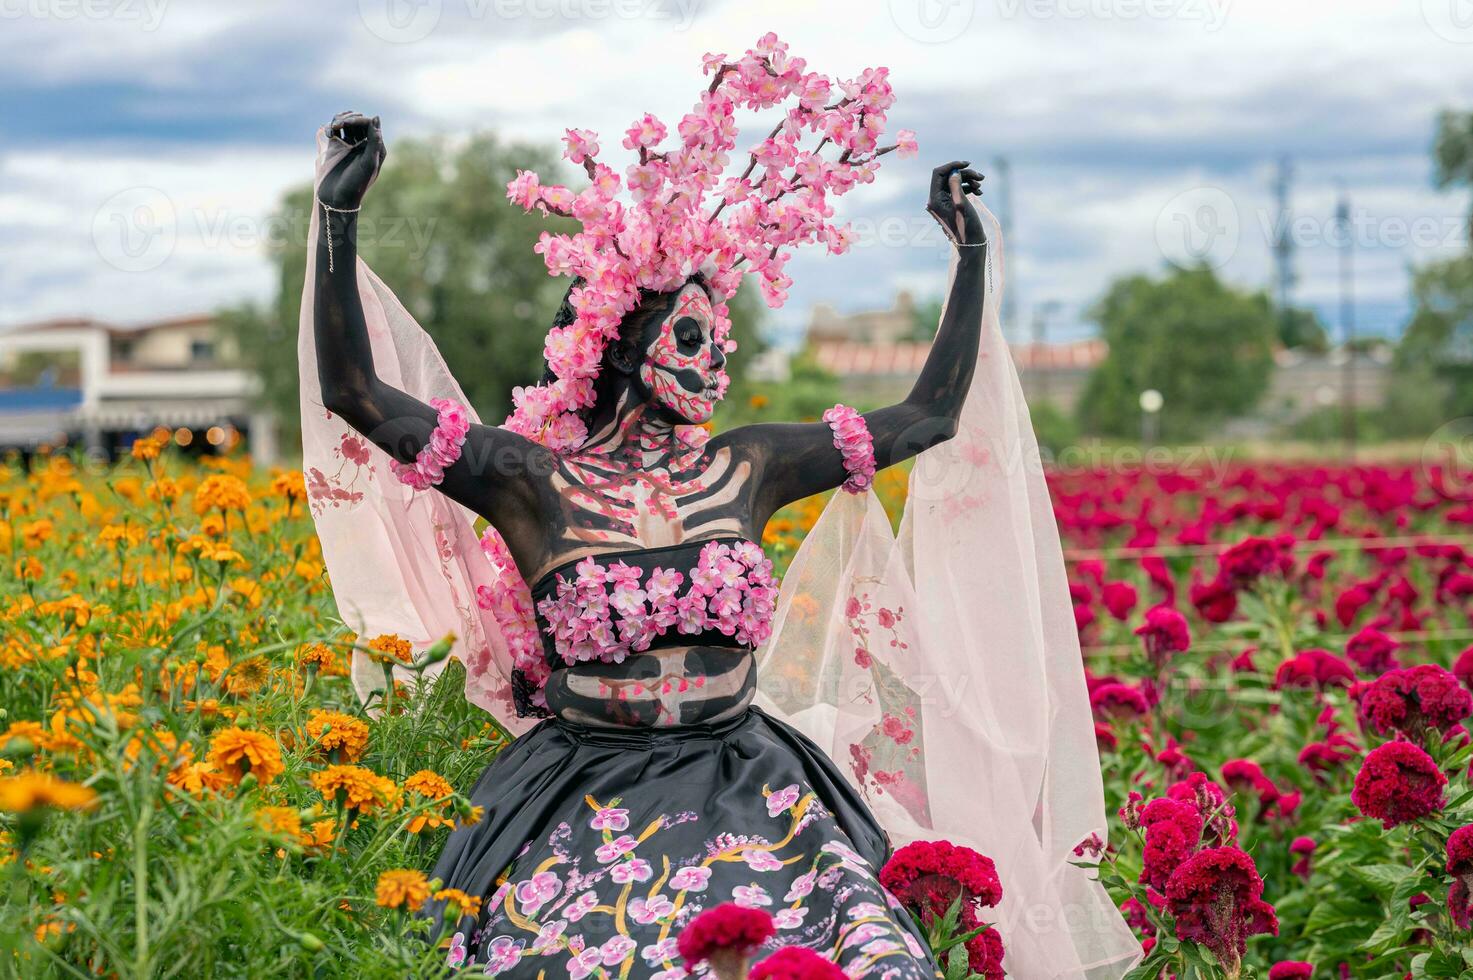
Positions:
{"x": 1278, "y": 660}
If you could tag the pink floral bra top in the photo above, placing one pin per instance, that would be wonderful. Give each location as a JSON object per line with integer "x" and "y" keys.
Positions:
{"x": 713, "y": 592}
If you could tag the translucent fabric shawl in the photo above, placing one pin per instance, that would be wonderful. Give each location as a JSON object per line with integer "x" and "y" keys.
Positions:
{"x": 940, "y": 668}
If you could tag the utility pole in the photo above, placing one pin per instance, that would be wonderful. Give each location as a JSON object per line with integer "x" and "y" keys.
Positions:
{"x": 1041, "y": 313}
{"x": 1347, "y": 320}
{"x": 1283, "y": 244}
{"x": 1008, "y": 313}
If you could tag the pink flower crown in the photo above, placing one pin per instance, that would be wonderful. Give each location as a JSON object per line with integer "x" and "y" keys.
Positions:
{"x": 664, "y": 233}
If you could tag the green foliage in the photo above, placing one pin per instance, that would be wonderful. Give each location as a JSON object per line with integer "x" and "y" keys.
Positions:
{"x": 1208, "y": 348}
{"x": 1301, "y": 328}
{"x": 437, "y": 228}
{"x": 1434, "y": 360}
{"x": 1452, "y": 152}
{"x": 1053, "y": 428}
{"x": 807, "y": 393}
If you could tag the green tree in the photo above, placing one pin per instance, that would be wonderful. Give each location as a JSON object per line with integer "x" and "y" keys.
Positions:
{"x": 1301, "y": 328}
{"x": 1434, "y": 359}
{"x": 1452, "y": 152}
{"x": 1208, "y": 348}
{"x": 437, "y": 228}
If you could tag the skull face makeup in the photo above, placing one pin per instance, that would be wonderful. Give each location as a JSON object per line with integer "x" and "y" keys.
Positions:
{"x": 682, "y": 367}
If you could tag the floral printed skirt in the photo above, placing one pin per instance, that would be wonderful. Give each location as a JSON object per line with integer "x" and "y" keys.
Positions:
{"x": 599, "y": 845}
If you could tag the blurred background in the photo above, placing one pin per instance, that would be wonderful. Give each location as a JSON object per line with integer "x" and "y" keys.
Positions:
{"x": 1231, "y": 224}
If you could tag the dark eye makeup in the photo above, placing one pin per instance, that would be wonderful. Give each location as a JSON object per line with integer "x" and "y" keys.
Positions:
{"x": 687, "y": 331}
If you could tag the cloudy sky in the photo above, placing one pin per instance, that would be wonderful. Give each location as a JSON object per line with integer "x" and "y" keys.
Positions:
{"x": 143, "y": 143}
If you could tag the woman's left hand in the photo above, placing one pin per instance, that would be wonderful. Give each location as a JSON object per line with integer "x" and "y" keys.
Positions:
{"x": 949, "y": 205}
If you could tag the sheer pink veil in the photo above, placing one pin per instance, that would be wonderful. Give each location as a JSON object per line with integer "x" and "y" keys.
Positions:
{"x": 400, "y": 562}
{"x": 942, "y": 669}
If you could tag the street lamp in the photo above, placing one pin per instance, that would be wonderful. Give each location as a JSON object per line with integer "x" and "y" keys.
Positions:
{"x": 1151, "y": 402}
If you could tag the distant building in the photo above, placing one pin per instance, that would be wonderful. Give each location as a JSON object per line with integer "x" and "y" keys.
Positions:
{"x": 876, "y": 358}
{"x": 80, "y": 380}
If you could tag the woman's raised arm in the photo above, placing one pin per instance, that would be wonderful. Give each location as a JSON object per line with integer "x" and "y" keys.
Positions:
{"x": 497, "y": 470}
{"x": 807, "y": 461}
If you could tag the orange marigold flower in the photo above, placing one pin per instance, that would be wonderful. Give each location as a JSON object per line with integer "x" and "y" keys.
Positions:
{"x": 283, "y": 821}
{"x": 28, "y": 568}
{"x": 28, "y": 731}
{"x": 390, "y": 647}
{"x": 458, "y": 902}
{"x": 342, "y": 735}
{"x": 36, "y": 533}
{"x": 402, "y": 888}
{"x": 289, "y": 484}
{"x": 221, "y": 491}
{"x": 327, "y": 660}
{"x": 429, "y": 783}
{"x": 359, "y": 788}
{"x": 236, "y": 751}
{"x": 28, "y": 790}
{"x": 198, "y": 778}
{"x": 147, "y": 448}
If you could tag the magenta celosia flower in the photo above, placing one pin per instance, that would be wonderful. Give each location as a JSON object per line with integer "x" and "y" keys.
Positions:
{"x": 1215, "y": 600}
{"x": 1216, "y": 898}
{"x": 1303, "y": 849}
{"x": 1118, "y": 702}
{"x": 728, "y": 931}
{"x": 1173, "y": 832}
{"x": 1244, "y": 562}
{"x": 1413, "y": 701}
{"x": 929, "y": 875}
{"x": 1398, "y": 783}
{"x": 1319, "y": 669}
{"x": 1164, "y": 632}
{"x": 1246, "y": 777}
{"x": 1330, "y": 754}
{"x": 796, "y": 963}
{"x": 1291, "y": 970}
{"x": 1463, "y": 668}
{"x": 1119, "y": 599}
{"x": 1372, "y": 651}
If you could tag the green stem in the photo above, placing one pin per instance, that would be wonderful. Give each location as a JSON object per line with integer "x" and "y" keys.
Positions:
{"x": 140, "y": 887}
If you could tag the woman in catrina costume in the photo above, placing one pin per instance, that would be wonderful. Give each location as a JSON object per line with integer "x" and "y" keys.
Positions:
{"x": 690, "y": 731}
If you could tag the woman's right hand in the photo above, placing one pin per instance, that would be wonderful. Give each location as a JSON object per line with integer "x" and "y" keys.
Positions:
{"x": 345, "y": 185}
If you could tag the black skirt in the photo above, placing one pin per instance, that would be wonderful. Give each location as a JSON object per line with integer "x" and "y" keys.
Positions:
{"x": 599, "y": 845}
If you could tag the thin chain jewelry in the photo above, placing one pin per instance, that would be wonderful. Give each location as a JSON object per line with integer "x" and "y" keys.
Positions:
{"x": 327, "y": 225}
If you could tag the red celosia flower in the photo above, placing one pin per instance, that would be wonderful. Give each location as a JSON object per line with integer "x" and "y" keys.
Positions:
{"x": 1319, "y": 669}
{"x": 1164, "y": 632}
{"x": 1216, "y": 898}
{"x": 1332, "y": 753}
{"x": 1460, "y": 866}
{"x": 1304, "y": 847}
{"x": 727, "y": 929}
{"x": 1373, "y": 651}
{"x": 984, "y": 955}
{"x": 1350, "y": 602}
{"x": 1118, "y": 702}
{"x": 1173, "y": 830}
{"x": 1250, "y": 558}
{"x": 1414, "y": 700}
{"x": 1398, "y": 782}
{"x": 1247, "y": 777}
{"x": 1460, "y": 852}
{"x": 796, "y": 963}
{"x": 1463, "y": 668}
{"x": 1119, "y": 598}
{"x": 1215, "y": 601}
{"x": 929, "y": 875}
{"x": 1291, "y": 970}
{"x": 1105, "y": 739}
